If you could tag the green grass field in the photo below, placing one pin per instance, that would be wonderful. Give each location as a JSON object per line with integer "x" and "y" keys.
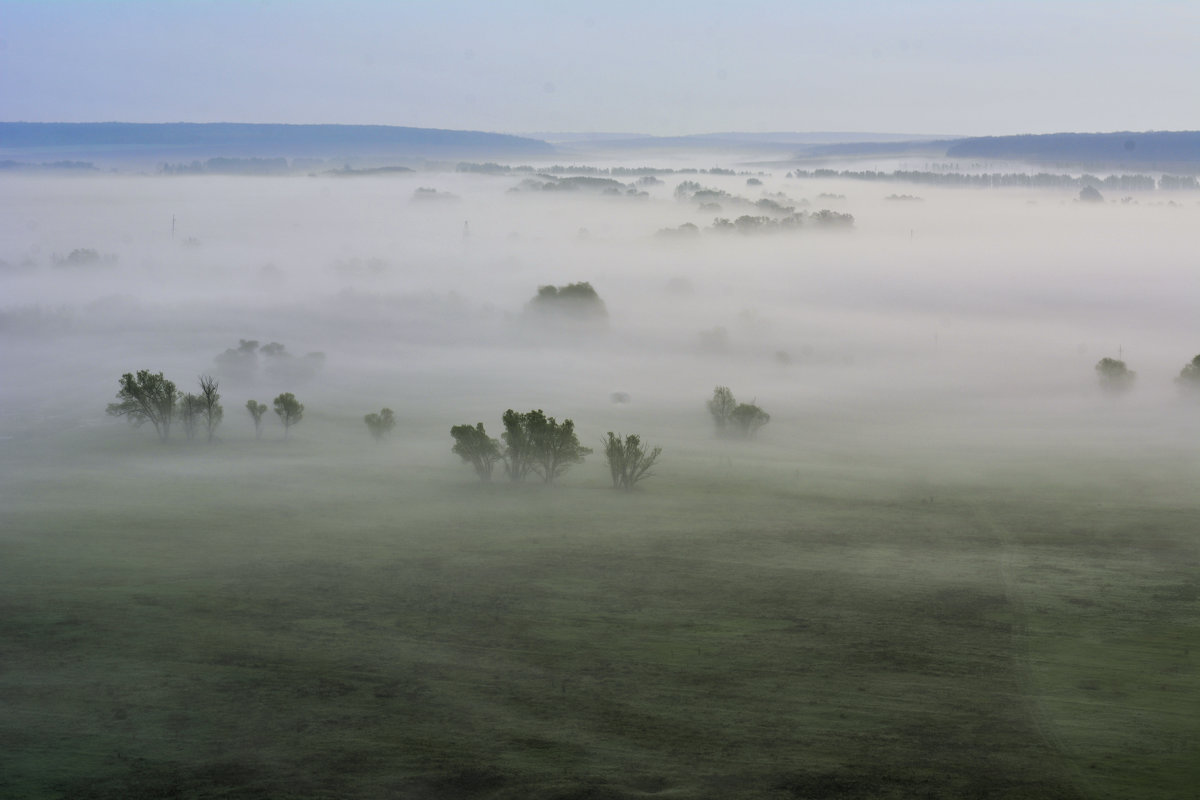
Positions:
{"x": 338, "y": 620}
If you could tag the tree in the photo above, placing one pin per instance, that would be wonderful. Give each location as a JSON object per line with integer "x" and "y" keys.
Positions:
{"x": 381, "y": 424}
{"x": 1115, "y": 377}
{"x": 576, "y": 301}
{"x": 1090, "y": 194}
{"x": 749, "y": 418}
{"x": 257, "y": 410}
{"x": 190, "y": 409}
{"x": 210, "y": 402}
{"x": 474, "y": 446}
{"x": 628, "y": 461}
{"x": 518, "y": 445}
{"x": 1189, "y": 376}
{"x": 536, "y": 443}
{"x": 555, "y": 445}
{"x": 147, "y": 397}
{"x": 721, "y": 406}
{"x": 290, "y": 411}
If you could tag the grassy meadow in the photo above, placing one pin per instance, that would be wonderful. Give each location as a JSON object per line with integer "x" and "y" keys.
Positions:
{"x": 330, "y": 618}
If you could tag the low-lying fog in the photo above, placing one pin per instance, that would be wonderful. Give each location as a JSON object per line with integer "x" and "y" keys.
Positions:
{"x": 988, "y": 308}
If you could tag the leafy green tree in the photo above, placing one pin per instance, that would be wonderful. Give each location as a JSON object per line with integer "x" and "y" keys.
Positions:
{"x": 210, "y": 401}
{"x": 475, "y": 447}
{"x": 555, "y": 446}
{"x": 628, "y": 461}
{"x": 257, "y": 410}
{"x": 721, "y": 406}
{"x": 1189, "y": 376}
{"x": 190, "y": 409}
{"x": 147, "y": 397}
{"x": 381, "y": 424}
{"x": 536, "y": 443}
{"x": 289, "y": 410}
{"x": 748, "y": 418}
{"x": 1115, "y": 377}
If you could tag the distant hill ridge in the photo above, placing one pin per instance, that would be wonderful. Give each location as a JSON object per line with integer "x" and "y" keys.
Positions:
{"x": 252, "y": 139}
{"x": 1149, "y": 147}
{"x": 1130, "y": 148}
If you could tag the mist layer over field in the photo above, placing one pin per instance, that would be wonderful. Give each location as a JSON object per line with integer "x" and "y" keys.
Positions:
{"x": 941, "y": 479}
{"x": 960, "y": 302}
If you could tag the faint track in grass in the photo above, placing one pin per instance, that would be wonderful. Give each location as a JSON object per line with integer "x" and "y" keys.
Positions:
{"x": 1037, "y": 715}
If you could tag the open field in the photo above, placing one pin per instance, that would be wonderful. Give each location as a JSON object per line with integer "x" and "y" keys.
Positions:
{"x": 328, "y": 618}
{"x": 949, "y": 567}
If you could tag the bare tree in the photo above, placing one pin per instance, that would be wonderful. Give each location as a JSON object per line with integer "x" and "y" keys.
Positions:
{"x": 210, "y": 405}
{"x": 190, "y": 410}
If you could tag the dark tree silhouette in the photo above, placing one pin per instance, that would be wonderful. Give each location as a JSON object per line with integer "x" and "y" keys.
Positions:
{"x": 210, "y": 402}
{"x": 474, "y": 446}
{"x": 1189, "y": 376}
{"x": 147, "y": 397}
{"x": 1115, "y": 377}
{"x": 628, "y": 461}
{"x": 190, "y": 410}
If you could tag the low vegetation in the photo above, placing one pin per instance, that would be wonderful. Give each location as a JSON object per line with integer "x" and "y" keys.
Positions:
{"x": 733, "y": 419}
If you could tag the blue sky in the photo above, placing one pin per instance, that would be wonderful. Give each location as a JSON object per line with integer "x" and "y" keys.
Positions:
{"x": 654, "y": 67}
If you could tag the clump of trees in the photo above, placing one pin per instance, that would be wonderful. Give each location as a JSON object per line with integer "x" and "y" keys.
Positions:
{"x": 687, "y": 230}
{"x": 532, "y": 444}
{"x": 151, "y": 397}
{"x": 575, "y": 301}
{"x": 734, "y": 419}
{"x": 289, "y": 410}
{"x": 1189, "y": 376}
{"x": 242, "y": 363}
{"x": 1115, "y": 377}
{"x": 628, "y": 461}
{"x": 574, "y": 307}
{"x": 381, "y": 424}
{"x": 83, "y": 257}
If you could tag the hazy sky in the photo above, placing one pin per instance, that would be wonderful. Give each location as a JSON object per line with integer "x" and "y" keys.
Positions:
{"x": 923, "y": 66}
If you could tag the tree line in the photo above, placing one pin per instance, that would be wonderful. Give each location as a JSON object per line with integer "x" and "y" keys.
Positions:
{"x": 151, "y": 397}
{"x": 1116, "y": 377}
{"x": 535, "y": 444}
